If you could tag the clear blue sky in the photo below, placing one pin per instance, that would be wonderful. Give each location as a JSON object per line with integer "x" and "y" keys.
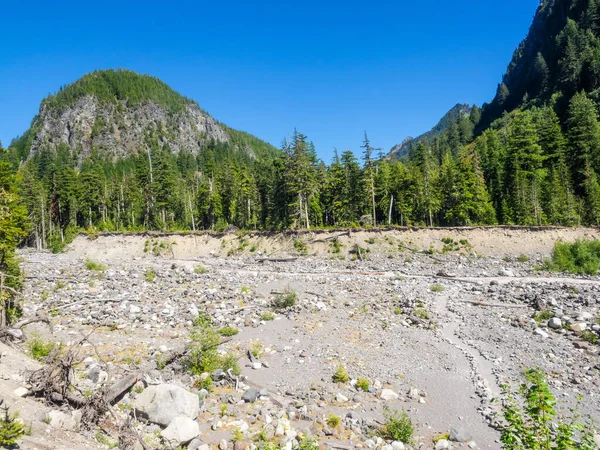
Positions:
{"x": 330, "y": 68}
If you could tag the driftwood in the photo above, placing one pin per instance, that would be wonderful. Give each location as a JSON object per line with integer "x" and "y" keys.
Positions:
{"x": 332, "y": 238}
{"x": 262, "y": 260}
{"x": 14, "y": 331}
{"x": 492, "y": 305}
{"x": 357, "y": 249}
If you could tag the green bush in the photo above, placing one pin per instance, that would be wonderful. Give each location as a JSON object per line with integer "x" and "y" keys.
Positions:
{"x": 201, "y": 270}
{"x": 398, "y": 426}
{"x": 203, "y": 356}
{"x": 11, "y": 428}
{"x": 332, "y": 420}
{"x": 267, "y": 315}
{"x": 95, "y": 266}
{"x": 40, "y": 349}
{"x": 285, "y": 300}
{"x": 436, "y": 287}
{"x": 363, "y": 384}
{"x": 150, "y": 274}
{"x": 228, "y": 331}
{"x": 580, "y": 257}
{"x": 340, "y": 375}
{"x": 534, "y": 426}
{"x": 543, "y": 316}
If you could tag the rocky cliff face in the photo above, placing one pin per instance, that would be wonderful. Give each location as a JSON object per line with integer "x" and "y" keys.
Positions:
{"x": 118, "y": 128}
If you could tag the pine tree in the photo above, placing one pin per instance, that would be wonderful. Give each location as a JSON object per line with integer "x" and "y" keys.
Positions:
{"x": 369, "y": 171}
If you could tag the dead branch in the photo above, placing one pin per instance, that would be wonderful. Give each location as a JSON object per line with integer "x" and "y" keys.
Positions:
{"x": 492, "y": 305}
{"x": 14, "y": 331}
{"x": 262, "y": 260}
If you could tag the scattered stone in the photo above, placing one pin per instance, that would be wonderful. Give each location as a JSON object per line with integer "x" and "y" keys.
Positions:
{"x": 251, "y": 395}
{"x": 555, "y": 323}
{"x": 442, "y": 444}
{"x": 388, "y": 395}
{"x": 541, "y": 333}
{"x": 460, "y": 435}
{"x": 160, "y": 404}
{"x": 181, "y": 430}
{"x": 21, "y": 392}
{"x": 578, "y": 327}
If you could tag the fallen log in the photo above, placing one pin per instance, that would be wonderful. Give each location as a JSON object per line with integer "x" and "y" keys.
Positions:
{"x": 14, "y": 331}
{"x": 262, "y": 260}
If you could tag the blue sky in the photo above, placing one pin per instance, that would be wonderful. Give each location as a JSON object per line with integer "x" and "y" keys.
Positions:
{"x": 330, "y": 68}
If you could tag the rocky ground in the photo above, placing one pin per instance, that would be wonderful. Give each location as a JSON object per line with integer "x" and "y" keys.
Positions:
{"x": 435, "y": 329}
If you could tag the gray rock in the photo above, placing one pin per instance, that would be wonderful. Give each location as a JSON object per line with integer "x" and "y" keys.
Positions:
{"x": 181, "y": 430}
{"x": 555, "y": 323}
{"x": 162, "y": 403}
{"x": 442, "y": 444}
{"x": 195, "y": 444}
{"x": 460, "y": 435}
{"x": 388, "y": 394}
{"x": 541, "y": 333}
{"x": 250, "y": 396}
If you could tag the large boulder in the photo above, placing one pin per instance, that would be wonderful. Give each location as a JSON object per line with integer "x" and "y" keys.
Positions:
{"x": 181, "y": 430}
{"x": 162, "y": 403}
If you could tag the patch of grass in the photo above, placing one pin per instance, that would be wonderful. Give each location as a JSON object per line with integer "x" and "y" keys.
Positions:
{"x": 104, "y": 439}
{"x": 363, "y": 384}
{"x": 267, "y": 315}
{"x": 200, "y": 270}
{"x": 257, "y": 349}
{"x": 95, "y": 266}
{"x": 340, "y": 375}
{"x": 439, "y": 437}
{"x": 543, "y": 316}
{"x": 228, "y": 331}
{"x": 436, "y": 287}
{"x": 204, "y": 383}
{"x": 523, "y": 258}
{"x": 335, "y": 246}
{"x": 150, "y": 274}
{"x": 370, "y": 241}
{"x": 398, "y": 426}
{"x": 397, "y": 310}
{"x": 40, "y": 349}
{"x": 580, "y": 257}
{"x": 301, "y": 247}
{"x": 332, "y": 420}
{"x": 590, "y": 337}
{"x": 421, "y": 313}
{"x": 286, "y": 299}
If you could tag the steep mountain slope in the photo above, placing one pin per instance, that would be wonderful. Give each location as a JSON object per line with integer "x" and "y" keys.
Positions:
{"x": 559, "y": 57}
{"x": 114, "y": 111}
{"x": 459, "y": 110}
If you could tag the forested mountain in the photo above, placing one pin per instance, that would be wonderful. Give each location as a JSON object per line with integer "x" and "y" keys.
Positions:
{"x": 451, "y": 118}
{"x": 559, "y": 57}
{"x": 118, "y": 151}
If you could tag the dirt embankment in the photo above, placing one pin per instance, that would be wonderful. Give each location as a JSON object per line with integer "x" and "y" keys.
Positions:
{"x": 488, "y": 241}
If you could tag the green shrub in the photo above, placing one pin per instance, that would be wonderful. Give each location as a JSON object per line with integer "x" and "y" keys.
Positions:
{"x": 40, "y": 349}
{"x": 301, "y": 247}
{"x": 285, "y": 300}
{"x": 340, "y": 375}
{"x": 398, "y": 426}
{"x": 199, "y": 269}
{"x": 436, "y": 287}
{"x": 11, "y": 427}
{"x": 363, "y": 384}
{"x": 267, "y": 315}
{"x": 150, "y": 274}
{"x": 589, "y": 336}
{"x": 335, "y": 245}
{"x": 228, "y": 331}
{"x": 332, "y": 420}
{"x": 543, "y": 316}
{"x": 203, "y": 355}
{"x": 421, "y": 313}
{"x": 523, "y": 258}
{"x": 581, "y": 257}
{"x": 534, "y": 426}
{"x": 95, "y": 266}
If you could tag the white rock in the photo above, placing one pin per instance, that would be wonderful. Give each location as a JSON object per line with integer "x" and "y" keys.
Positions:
{"x": 541, "y": 333}
{"x": 341, "y": 397}
{"x": 585, "y": 316}
{"x": 555, "y": 323}
{"x": 597, "y": 440}
{"x": 441, "y": 444}
{"x": 388, "y": 394}
{"x": 256, "y": 365}
{"x": 21, "y": 392}
{"x": 397, "y": 445}
{"x": 134, "y": 309}
{"x": 578, "y": 327}
{"x": 160, "y": 404}
{"x": 181, "y": 430}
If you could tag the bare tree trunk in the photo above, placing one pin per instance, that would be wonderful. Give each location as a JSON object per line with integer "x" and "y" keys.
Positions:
{"x": 373, "y": 200}
{"x": 390, "y": 210}
{"x": 192, "y": 213}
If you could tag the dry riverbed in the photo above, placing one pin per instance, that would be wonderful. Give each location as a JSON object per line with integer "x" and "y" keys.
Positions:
{"x": 436, "y": 320}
